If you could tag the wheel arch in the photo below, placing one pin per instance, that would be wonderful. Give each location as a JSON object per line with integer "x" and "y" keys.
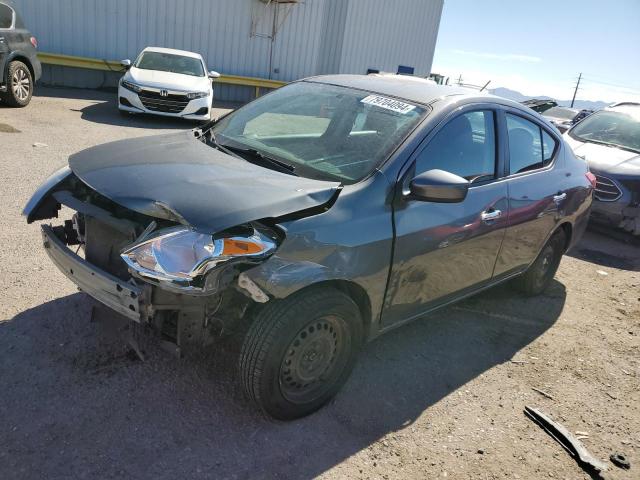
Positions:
{"x": 568, "y": 233}
{"x": 353, "y": 290}
{"x": 18, "y": 57}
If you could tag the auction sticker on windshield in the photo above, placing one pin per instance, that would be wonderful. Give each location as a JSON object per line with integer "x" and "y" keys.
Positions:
{"x": 388, "y": 103}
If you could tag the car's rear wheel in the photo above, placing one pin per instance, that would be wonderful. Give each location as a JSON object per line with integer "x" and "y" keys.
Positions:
{"x": 19, "y": 85}
{"x": 298, "y": 352}
{"x": 539, "y": 275}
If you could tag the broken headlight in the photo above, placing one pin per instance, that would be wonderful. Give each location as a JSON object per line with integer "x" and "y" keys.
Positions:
{"x": 180, "y": 257}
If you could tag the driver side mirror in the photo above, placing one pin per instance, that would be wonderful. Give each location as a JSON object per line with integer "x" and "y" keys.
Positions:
{"x": 126, "y": 64}
{"x": 213, "y": 74}
{"x": 438, "y": 186}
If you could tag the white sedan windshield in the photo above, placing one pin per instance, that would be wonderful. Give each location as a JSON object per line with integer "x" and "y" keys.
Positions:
{"x": 166, "y": 62}
{"x": 323, "y": 131}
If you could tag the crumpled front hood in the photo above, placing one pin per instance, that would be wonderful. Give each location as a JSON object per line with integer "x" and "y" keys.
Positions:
{"x": 602, "y": 158}
{"x": 168, "y": 80}
{"x": 177, "y": 177}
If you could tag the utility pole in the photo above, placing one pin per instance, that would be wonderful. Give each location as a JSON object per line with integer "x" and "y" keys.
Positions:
{"x": 576, "y": 90}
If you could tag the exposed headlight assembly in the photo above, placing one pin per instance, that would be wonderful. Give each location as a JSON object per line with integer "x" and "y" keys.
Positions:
{"x": 194, "y": 95}
{"x": 179, "y": 258}
{"x": 131, "y": 86}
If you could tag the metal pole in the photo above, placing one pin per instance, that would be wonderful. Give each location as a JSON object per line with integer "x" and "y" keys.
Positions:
{"x": 485, "y": 85}
{"x": 273, "y": 37}
{"x": 576, "y": 90}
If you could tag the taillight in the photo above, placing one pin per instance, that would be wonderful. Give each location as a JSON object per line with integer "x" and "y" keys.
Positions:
{"x": 34, "y": 42}
{"x": 592, "y": 179}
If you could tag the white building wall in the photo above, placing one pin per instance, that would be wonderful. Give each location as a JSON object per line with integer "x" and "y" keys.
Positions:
{"x": 316, "y": 37}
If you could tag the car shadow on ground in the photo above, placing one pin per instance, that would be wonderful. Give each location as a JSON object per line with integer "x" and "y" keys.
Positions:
{"x": 104, "y": 109}
{"x": 618, "y": 251}
{"x": 106, "y": 112}
{"x": 76, "y": 404}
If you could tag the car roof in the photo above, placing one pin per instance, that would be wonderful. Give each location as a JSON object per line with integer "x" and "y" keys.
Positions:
{"x": 419, "y": 90}
{"x": 628, "y": 108}
{"x": 173, "y": 51}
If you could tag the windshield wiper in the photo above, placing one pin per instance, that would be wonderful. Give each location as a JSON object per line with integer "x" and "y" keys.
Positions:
{"x": 259, "y": 158}
{"x": 212, "y": 140}
{"x": 256, "y": 156}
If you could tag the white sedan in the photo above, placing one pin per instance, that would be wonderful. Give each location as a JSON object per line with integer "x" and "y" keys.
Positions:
{"x": 168, "y": 82}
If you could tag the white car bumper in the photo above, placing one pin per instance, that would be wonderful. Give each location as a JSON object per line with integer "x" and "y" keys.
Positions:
{"x": 149, "y": 101}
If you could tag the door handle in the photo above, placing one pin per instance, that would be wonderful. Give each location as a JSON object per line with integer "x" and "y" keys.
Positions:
{"x": 560, "y": 197}
{"x": 490, "y": 215}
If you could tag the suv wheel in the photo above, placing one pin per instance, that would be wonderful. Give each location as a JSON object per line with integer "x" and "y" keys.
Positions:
{"x": 19, "y": 85}
{"x": 298, "y": 352}
{"x": 539, "y": 275}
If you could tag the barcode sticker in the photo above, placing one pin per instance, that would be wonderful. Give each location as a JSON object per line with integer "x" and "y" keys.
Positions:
{"x": 388, "y": 103}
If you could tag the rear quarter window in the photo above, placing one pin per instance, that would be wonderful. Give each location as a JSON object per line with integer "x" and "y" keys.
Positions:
{"x": 6, "y": 16}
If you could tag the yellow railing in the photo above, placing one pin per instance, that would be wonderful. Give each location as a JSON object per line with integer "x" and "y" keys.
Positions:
{"x": 115, "y": 66}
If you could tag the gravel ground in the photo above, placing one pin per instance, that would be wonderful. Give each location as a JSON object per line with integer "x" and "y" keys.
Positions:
{"x": 441, "y": 397}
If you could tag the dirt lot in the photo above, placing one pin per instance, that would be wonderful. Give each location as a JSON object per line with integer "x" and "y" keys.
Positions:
{"x": 442, "y": 397}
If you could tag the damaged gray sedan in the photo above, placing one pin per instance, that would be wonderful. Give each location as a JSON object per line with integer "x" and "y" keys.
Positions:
{"x": 314, "y": 219}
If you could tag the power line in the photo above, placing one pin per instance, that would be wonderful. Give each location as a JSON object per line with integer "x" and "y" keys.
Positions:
{"x": 616, "y": 85}
{"x": 597, "y": 79}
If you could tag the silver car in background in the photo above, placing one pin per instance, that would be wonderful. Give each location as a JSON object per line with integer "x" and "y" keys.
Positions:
{"x": 609, "y": 140}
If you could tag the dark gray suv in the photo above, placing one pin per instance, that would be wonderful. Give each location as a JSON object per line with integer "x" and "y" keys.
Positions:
{"x": 316, "y": 218}
{"x": 19, "y": 64}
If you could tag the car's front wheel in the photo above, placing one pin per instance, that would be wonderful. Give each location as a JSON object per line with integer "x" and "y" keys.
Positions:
{"x": 299, "y": 351}
{"x": 19, "y": 85}
{"x": 539, "y": 275}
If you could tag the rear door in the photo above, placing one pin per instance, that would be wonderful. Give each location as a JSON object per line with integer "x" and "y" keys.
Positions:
{"x": 6, "y": 26}
{"x": 444, "y": 249}
{"x": 536, "y": 198}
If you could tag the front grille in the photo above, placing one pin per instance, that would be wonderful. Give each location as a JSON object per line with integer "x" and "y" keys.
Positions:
{"x": 606, "y": 189}
{"x": 172, "y": 103}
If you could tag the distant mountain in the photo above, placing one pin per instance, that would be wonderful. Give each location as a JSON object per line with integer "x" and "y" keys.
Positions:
{"x": 519, "y": 97}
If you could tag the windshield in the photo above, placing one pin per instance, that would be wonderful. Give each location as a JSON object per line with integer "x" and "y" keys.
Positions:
{"x": 321, "y": 131}
{"x": 616, "y": 128}
{"x": 559, "y": 112}
{"x": 166, "y": 62}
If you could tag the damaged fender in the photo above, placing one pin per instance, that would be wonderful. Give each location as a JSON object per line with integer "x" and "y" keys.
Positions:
{"x": 41, "y": 205}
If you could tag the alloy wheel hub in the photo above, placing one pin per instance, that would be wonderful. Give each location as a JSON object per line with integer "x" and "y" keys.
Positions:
{"x": 20, "y": 84}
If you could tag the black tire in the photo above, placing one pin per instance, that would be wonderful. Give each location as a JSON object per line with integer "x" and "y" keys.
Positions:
{"x": 19, "y": 85}
{"x": 540, "y": 273}
{"x": 299, "y": 351}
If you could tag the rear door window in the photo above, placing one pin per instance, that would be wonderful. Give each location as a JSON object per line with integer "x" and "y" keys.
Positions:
{"x": 6, "y": 16}
{"x": 530, "y": 147}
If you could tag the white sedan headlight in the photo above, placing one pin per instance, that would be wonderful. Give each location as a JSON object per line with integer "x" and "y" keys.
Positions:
{"x": 131, "y": 86}
{"x": 194, "y": 95}
{"x": 180, "y": 257}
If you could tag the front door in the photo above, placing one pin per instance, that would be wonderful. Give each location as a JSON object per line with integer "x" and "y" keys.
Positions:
{"x": 444, "y": 249}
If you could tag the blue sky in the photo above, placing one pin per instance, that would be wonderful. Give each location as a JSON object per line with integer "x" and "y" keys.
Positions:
{"x": 539, "y": 47}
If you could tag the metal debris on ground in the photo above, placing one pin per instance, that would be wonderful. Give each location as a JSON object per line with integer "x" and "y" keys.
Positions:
{"x": 39, "y": 145}
{"x": 542, "y": 392}
{"x": 619, "y": 460}
{"x": 570, "y": 443}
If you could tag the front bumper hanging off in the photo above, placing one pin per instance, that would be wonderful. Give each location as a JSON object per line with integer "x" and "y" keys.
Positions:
{"x": 123, "y": 297}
